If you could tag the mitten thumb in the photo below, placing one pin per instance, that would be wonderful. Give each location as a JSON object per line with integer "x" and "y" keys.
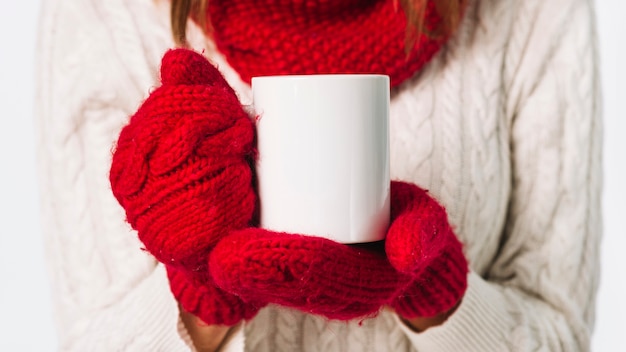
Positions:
{"x": 187, "y": 67}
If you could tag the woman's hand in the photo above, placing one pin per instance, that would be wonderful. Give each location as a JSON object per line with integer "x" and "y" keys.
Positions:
{"x": 419, "y": 324}
{"x": 206, "y": 338}
{"x": 419, "y": 270}
{"x": 182, "y": 171}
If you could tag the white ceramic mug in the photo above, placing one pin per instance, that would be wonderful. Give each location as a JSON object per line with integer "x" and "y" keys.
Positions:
{"x": 323, "y": 166}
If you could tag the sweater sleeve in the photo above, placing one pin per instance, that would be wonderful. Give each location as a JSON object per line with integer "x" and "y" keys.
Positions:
{"x": 539, "y": 293}
{"x": 93, "y": 69}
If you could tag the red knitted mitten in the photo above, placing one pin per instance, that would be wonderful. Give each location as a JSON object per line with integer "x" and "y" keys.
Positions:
{"x": 182, "y": 171}
{"x": 423, "y": 273}
{"x": 420, "y": 243}
{"x": 207, "y": 301}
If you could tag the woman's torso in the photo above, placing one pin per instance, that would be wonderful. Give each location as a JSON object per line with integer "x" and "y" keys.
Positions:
{"x": 449, "y": 134}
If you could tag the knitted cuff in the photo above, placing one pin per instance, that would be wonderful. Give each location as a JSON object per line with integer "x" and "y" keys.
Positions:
{"x": 208, "y": 302}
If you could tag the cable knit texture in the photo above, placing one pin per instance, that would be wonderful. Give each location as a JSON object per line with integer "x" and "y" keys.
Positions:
{"x": 265, "y": 37}
{"x": 182, "y": 171}
{"x": 502, "y": 127}
{"x": 425, "y": 274}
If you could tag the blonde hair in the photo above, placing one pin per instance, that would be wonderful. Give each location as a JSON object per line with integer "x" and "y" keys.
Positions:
{"x": 180, "y": 11}
{"x": 449, "y": 10}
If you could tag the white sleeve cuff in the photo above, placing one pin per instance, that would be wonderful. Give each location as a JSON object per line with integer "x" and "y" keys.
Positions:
{"x": 476, "y": 325}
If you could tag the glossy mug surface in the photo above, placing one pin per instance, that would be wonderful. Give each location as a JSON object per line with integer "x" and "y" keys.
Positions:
{"x": 323, "y": 144}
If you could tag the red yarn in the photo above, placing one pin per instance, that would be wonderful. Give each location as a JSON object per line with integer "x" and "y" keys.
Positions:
{"x": 181, "y": 170}
{"x": 312, "y": 274}
{"x": 421, "y": 243}
{"x": 268, "y": 37}
{"x": 207, "y": 301}
{"x": 423, "y": 273}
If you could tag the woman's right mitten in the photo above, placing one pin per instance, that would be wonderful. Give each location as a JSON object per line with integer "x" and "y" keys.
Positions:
{"x": 182, "y": 170}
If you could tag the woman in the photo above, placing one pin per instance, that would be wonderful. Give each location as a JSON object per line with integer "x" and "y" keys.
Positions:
{"x": 498, "y": 119}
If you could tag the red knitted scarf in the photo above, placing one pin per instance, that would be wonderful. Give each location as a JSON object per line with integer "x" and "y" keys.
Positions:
{"x": 279, "y": 37}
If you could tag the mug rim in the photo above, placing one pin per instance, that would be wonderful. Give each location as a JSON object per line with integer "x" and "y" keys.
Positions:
{"x": 319, "y": 76}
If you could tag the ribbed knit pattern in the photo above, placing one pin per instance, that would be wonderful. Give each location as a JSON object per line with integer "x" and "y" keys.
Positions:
{"x": 182, "y": 171}
{"x": 266, "y": 37}
{"x": 424, "y": 275}
{"x": 502, "y": 127}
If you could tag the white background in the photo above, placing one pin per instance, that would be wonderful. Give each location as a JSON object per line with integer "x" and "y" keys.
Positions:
{"x": 25, "y": 311}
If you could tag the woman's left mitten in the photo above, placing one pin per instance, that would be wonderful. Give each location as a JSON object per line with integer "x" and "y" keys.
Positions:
{"x": 421, "y": 244}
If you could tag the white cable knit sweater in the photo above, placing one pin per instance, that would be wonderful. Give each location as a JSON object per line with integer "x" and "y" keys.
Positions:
{"x": 503, "y": 127}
